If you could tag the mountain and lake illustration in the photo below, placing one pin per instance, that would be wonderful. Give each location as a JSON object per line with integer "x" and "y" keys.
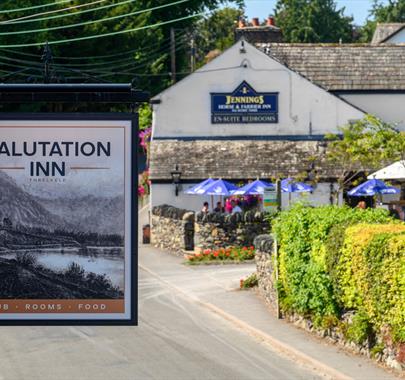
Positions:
{"x": 63, "y": 247}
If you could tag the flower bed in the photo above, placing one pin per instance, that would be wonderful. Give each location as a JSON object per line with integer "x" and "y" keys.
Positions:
{"x": 222, "y": 254}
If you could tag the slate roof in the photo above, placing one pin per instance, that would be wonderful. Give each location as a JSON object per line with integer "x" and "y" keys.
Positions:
{"x": 384, "y": 31}
{"x": 237, "y": 159}
{"x": 345, "y": 67}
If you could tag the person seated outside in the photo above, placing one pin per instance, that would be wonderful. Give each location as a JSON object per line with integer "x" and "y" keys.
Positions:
{"x": 219, "y": 208}
{"x": 228, "y": 206}
{"x": 392, "y": 209}
{"x": 235, "y": 207}
{"x": 362, "y": 205}
{"x": 205, "y": 208}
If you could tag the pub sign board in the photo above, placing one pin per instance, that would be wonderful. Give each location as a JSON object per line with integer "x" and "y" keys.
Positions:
{"x": 68, "y": 214}
{"x": 244, "y": 105}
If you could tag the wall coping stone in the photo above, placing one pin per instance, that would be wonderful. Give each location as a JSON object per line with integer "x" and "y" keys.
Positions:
{"x": 264, "y": 243}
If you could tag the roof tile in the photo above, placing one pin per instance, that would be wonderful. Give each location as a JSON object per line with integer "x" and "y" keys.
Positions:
{"x": 344, "y": 67}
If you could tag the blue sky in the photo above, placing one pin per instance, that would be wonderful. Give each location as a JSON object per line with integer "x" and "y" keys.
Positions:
{"x": 359, "y": 9}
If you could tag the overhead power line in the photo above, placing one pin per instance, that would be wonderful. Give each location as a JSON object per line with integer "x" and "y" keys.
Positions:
{"x": 105, "y": 34}
{"x": 94, "y": 21}
{"x": 55, "y": 11}
{"x": 95, "y": 57}
{"x": 34, "y": 7}
{"x": 148, "y": 55}
{"x": 131, "y": 64}
{"x": 18, "y": 21}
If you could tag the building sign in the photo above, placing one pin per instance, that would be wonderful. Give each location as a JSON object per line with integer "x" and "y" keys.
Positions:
{"x": 270, "y": 202}
{"x": 244, "y": 105}
{"x": 68, "y": 219}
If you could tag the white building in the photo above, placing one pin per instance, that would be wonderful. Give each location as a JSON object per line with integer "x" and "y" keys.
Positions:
{"x": 389, "y": 33}
{"x": 263, "y": 111}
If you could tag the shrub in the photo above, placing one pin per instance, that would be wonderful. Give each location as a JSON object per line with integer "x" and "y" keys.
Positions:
{"x": 371, "y": 274}
{"x": 249, "y": 282}
{"x": 359, "y": 330}
{"x": 26, "y": 259}
{"x": 302, "y": 233}
{"x": 74, "y": 272}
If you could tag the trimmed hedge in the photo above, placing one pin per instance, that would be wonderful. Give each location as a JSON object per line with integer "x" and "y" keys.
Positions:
{"x": 371, "y": 272}
{"x": 334, "y": 259}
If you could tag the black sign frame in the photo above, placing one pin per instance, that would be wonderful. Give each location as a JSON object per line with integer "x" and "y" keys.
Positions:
{"x": 133, "y": 299}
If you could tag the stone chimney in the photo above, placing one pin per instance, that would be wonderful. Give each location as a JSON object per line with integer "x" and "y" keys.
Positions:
{"x": 241, "y": 23}
{"x": 256, "y": 33}
{"x": 270, "y": 21}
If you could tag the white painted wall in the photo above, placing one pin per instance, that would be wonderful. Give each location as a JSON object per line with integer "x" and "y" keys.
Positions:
{"x": 397, "y": 38}
{"x": 388, "y": 107}
{"x": 185, "y": 108}
{"x": 164, "y": 194}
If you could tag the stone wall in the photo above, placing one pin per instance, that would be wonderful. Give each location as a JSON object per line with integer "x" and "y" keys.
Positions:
{"x": 265, "y": 272}
{"x": 170, "y": 228}
{"x": 215, "y": 230}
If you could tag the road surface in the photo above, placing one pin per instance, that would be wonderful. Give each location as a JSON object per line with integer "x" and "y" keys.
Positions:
{"x": 175, "y": 339}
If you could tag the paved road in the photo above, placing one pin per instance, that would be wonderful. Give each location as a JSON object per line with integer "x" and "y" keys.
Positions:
{"x": 175, "y": 339}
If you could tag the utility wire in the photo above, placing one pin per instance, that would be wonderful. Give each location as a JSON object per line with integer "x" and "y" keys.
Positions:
{"x": 20, "y": 72}
{"x": 70, "y": 14}
{"x": 12, "y": 21}
{"x": 138, "y": 63}
{"x": 132, "y": 65}
{"x": 103, "y": 71}
{"x": 150, "y": 55}
{"x": 34, "y": 7}
{"x": 105, "y": 34}
{"x": 94, "y": 21}
{"x": 149, "y": 48}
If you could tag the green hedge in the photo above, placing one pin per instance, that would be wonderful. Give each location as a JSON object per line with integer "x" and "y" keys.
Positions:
{"x": 320, "y": 273}
{"x": 371, "y": 275}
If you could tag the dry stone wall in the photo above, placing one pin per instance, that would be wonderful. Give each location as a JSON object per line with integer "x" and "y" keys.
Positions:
{"x": 265, "y": 270}
{"x": 176, "y": 229}
{"x": 170, "y": 228}
{"x": 216, "y": 230}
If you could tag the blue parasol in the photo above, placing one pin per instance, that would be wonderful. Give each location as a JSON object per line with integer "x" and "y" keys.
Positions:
{"x": 289, "y": 186}
{"x": 254, "y": 188}
{"x": 199, "y": 188}
{"x": 372, "y": 187}
{"x": 219, "y": 187}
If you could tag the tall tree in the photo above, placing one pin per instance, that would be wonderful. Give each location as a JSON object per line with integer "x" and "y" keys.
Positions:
{"x": 393, "y": 11}
{"x": 216, "y": 32}
{"x": 313, "y": 21}
{"x": 367, "y": 144}
{"x": 143, "y": 55}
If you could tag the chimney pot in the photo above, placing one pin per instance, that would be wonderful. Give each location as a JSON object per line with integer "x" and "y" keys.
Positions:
{"x": 241, "y": 23}
{"x": 270, "y": 21}
{"x": 255, "y": 21}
